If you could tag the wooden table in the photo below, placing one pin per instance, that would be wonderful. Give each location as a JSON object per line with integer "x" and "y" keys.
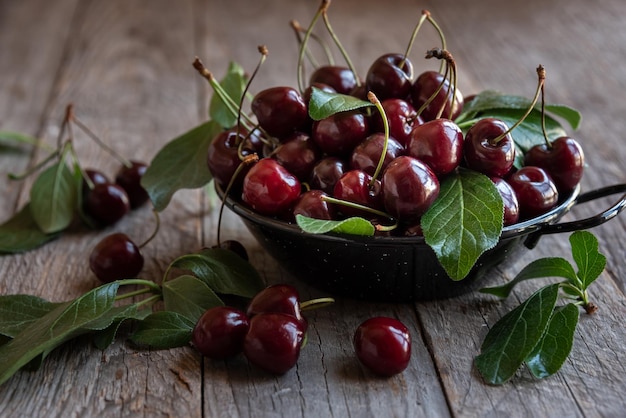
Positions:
{"x": 126, "y": 67}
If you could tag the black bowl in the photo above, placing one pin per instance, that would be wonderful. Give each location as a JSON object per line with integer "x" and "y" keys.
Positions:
{"x": 398, "y": 269}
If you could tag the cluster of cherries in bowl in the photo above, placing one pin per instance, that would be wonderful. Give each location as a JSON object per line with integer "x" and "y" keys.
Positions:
{"x": 313, "y": 167}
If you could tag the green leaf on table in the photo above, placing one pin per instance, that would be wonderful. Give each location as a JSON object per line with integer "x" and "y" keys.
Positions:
{"x": 105, "y": 337}
{"x": 515, "y": 335}
{"x": 556, "y": 343}
{"x": 180, "y": 164}
{"x": 234, "y": 84}
{"x": 12, "y": 139}
{"x": 53, "y": 198}
{"x": 464, "y": 221}
{"x": 543, "y": 267}
{"x": 324, "y": 104}
{"x": 589, "y": 260}
{"x": 222, "y": 271}
{"x": 352, "y": 226}
{"x": 163, "y": 330}
{"x": 66, "y": 321}
{"x": 189, "y": 296}
{"x": 21, "y": 233}
{"x": 17, "y": 312}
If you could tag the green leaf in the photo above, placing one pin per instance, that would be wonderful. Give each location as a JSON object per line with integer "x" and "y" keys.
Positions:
{"x": 529, "y": 133}
{"x": 189, "y": 296}
{"x": 21, "y": 233}
{"x": 324, "y": 104}
{"x": 104, "y": 338}
{"x": 233, "y": 83}
{"x": 353, "y": 226}
{"x": 543, "y": 267}
{"x": 180, "y": 164}
{"x": 17, "y": 312}
{"x": 589, "y": 260}
{"x": 223, "y": 271}
{"x": 464, "y": 221}
{"x": 163, "y": 330}
{"x": 53, "y": 198}
{"x": 514, "y": 336}
{"x": 11, "y": 139}
{"x": 66, "y": 321}
{"x": 556, "y": 343}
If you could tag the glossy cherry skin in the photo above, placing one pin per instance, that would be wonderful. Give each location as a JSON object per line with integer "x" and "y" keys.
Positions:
{"x": 107, "y": 203}
{"x": 383, "y": 345}
{"x": 356, "y": 186}
{"x": 130, "y": 180}
{"x": 220, "y": 331}
{"x": 423, "y": 88}
{"x": 298, "y": 154}
{"x": 409, "y": 188}
{"x": 312, "y": 205}
{"x": 326, "y": 173}
{"x": 366, "y": 155}
{"x": 96, "y": 177}
{"x": 439, "y": 144}
{"x": 483, "y": 154}
{"x": 278, "y": 298}
{"x": 115, "y": 257}
{"x": 280, "y": 111}
{"x": 401, "y": 117}
{"x": 536, "y": 193}
{"x": 509, "y": 199}
{"x": 269, "y": 188}
{"x": 564, "y": 161}
{"x": 223, "y": 157}
{"x": 337, "y": 135}
{"x": 273, "y": 342}
{"x": 390, "y": 76}
{"x": 341, "y": 79}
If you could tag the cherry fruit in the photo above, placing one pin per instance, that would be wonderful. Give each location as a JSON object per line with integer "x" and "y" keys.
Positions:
{"x": 366, "y": 155}
{"x": 536, "y": 193}
{"x": 280, "y": 111}
{"x": 439, "y": 144}
{"x": 326, "y": 173}
{"x": 278, "y": 298}
{"x": 107, "y": 203}
{"x": 390, "y": 76}
{"x": 96, "y": 177}
{"x": 337, "y": 135}
{"x": 269, "y": 188}
{"x": 401, "y": 117}
{"x": 489, "y": 148}
{"x": 234, "y": 246}
{"x": 220, "y": 332}
{"x": 563, "y": 159}
{"x": 383, "y": 345}
{"x": 311, "y": 204}
{"x": 130, "y": 180}
{"x": 356, "y": 186}
{"x": 115, "y": 257}
{"x": 341, "y": 79}
{"x": 223, "y": 157}
{"x": 425, "y": 86}
{"x": 509, "y": 199}
{"x": 298, "y": 154}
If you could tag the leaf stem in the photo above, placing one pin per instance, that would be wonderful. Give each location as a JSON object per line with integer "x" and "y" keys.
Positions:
{"x": 142, "y": 282}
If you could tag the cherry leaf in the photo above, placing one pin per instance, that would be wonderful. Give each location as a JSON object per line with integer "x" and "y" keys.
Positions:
{"x": 54, "y": 197}
{"x": 464, "y": 221}
{"x": 189, "y": 296}
{"x": 12, "y": 139}
{"x": 589, "y": 260}
{"x": 324, "y": 104}
{"x": 233, "y": 83}
{"x": 352, "y": 226}
{"x": 17, "y": 312}
{"x": 163, "y": 330}
{"x": 21, "y": 233}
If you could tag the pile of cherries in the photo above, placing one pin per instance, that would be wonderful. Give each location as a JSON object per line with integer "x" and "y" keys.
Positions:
{"x": 271, "y": 331}
{"x": 313, "y": 168}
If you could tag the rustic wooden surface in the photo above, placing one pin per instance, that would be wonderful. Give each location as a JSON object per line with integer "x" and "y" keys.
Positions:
{"x": 126, "y": 66}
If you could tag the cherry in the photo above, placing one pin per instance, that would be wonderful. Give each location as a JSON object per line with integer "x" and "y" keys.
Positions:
{"x": 269, "y": 188}
{"x": 278, "y": 298}
{"x": 220, "y": 332}
{"x": 312, "y": 205}
{"x": 366, "y": 155}
{"x": 130, "y": 180}
{"x": 409, "y": 187}
{"x": 115, "y": 257}
{"x": 107, "y": 203}
{"x": 273, "y": 341}
{"x": 234, "y": 246}
{"x": 439, "y": 144}
{"x": 96, "y": 177}
{"x": 338, "y": 134}
{"x": 401, "y": 117}
{"x": 341, "y": 79}
{"x": 223, "y": 157}
{"x": 509, "y": 198}
{"x": 563, "y": 159}
{"x": 356, "y": 186}
{"x": 383, "y": 345}
{"x": 425, "y": 86}
{"x": 486, "y": 150}
{"x": 536, "y": 193}
{"x": 280, "y": 111}
{"x": 298, "y": 154}
{"x": 326, "y": 173}
{"x": 390, "y": 76}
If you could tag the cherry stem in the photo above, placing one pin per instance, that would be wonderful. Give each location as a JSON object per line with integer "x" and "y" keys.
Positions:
{"x": 305, "y": 40}
{"x": 157, "y": 226}
{"x": 444, "y": 45}
{"x": 69, "y": 113}
{"x": 298, "y": 30}
{"x": 449, "y": 74}
{"x": 36, "y": 167}
{"x": 343, "y": 51}
{"x": 101, "y": 143}
{"x": 437, "y": 90}
{"x": 372, "y": 98}
{"x": 316, "y": 303}
{"x": 353, "y": 205}
{"x": 425, "y": 14}
{"x": 543, "y": 116}
{"x": 263, "y": 51}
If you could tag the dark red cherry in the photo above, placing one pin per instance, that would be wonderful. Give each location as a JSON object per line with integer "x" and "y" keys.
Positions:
{"x": 326, "y": 173}
{"x": 485, "y": 155}
{"x": 425, "y": 86}
{"x": 509, "y": 198}
{"x": 96, "y": 177}
{"x": 401, "y": 117}
{"x": 220, "y": 332}
{"x": 390, "y": 76}
{"x": 383, "y": 345}
{"x": 356, "y": 186}
{"x": 269, "y": 188}
{"x": 273, "y": 342}
{"x": 280, "y": 111}
{"x": 115, "y": 257}
{"x": 536, "y": 193}
{"x": 341, "y": 79}
{"x": 130, "y": 180}
{"x": 311, "y": 204}
{"x": 298, "y": 154}
{"x": 107, "y": 203}
{"x": 564, "y": 161}
{"x": 337, "y": 135}
{"x": 223, "y": 157}
{"x": 409, "y": 188}
{"x": 366, "y": 155}
{"x": 278, "y": 298}
{"x": 439, "y": 144}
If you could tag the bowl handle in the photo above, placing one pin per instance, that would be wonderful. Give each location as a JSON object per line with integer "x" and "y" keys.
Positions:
{"x": 610, "y": 213}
